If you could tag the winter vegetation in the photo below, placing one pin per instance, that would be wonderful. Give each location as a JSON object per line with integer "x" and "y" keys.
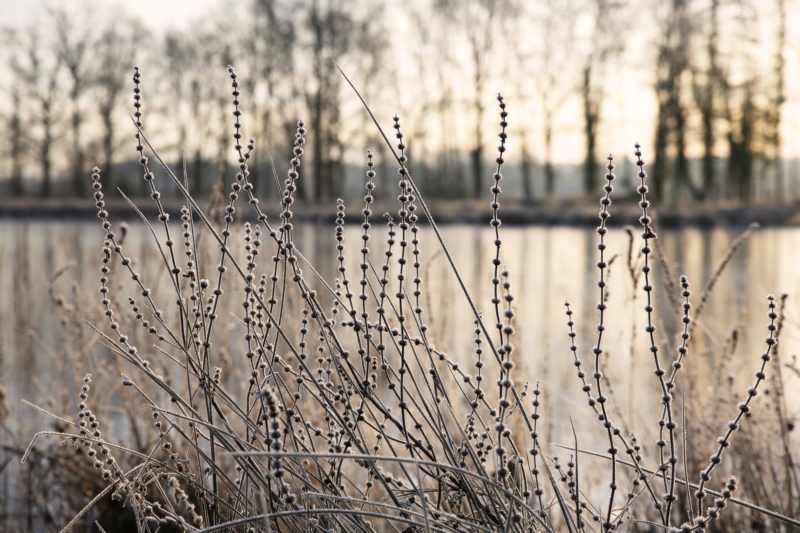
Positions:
{"x": 351, "y": 417}
{"x": 271, "y": 330}
{"x": 705, "y": 85}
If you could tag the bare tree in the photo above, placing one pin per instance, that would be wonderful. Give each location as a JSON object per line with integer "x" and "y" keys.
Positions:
{"x": 742, "y": 114}
{"x": 430, "y": 104}
{"x": 605, "y": 43}
{"x": 37, "y": 76}
{"x": 741, "y": 144}
{"x": 74, "y": 41}
{"x": 672, "y": 65}
{"x": 552, "y": 73}
{"x": 193, "y": 101}
{"x": 115, "y": 52}
{"x": 328, "y": 31}
{"x": 216, "y": 47}
{"x": 480, "y": 22}
{"x": 777, "y": 97}
{"x": 268, "y": 47}
{"x": 178, "y": 60}
{"x": 726, "y": 94}
{"x": 17, "y": 141}
{"x": 521, "y": 55}
{"x": 709, "y": 86}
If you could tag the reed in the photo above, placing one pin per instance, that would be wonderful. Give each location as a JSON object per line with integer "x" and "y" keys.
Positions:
{"x": 351, "y": 417}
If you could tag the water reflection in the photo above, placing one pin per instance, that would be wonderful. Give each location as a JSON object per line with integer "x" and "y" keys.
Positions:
{"x": 547, "y": 265}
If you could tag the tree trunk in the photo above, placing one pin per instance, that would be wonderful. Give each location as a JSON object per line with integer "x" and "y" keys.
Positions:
{"x": 590, "y": 119}
{"x": 199, "y": 172}
{"x": 527, "y": 178}
{"x": 708, "y": 149}
{"x": 707, "y": 108}
{"x": 779, "y": 99}
{"x": 16, "y": 148}
{"x": 47, "y": 149}
{"x": 108, "y": 146}
{"x": 78, "y": 173}
{"x": 477, "y": 171}
{"x": 660, "y": 166}
{"x": 320, "y": 172}
{"x": 549, "y": 173}
{"x": 681, "y": 178}
{"x": 477, "y": 152}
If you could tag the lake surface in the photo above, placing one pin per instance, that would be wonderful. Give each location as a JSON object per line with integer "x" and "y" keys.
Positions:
{"x": 546, "y": 265}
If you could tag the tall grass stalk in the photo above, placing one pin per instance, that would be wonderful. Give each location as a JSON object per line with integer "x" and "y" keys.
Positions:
{"x": 351, "y": 418}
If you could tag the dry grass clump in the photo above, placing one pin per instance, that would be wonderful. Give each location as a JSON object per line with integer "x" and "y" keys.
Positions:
{"x": 349, "y": 417}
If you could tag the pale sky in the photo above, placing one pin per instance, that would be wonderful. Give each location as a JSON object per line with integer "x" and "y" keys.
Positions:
{"x": 158, "y": 15}
{"x": 628, "y": 113}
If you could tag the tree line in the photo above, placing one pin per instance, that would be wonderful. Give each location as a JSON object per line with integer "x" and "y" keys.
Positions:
{"x": 716, "y": 70}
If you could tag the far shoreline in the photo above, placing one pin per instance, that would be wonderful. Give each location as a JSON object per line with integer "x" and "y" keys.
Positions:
{"x": 579, "y": 212}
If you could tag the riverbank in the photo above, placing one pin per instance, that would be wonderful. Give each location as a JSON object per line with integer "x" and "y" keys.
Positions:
{"x": 571, "y": 213}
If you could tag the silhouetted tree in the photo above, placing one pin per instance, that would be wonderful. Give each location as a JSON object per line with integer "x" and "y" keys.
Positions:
{"x": 115, "y": 53}
{"x": 479, "y": 21}
{"x": 74, "y": 30}
{"x": 37, "y": 75}
{"x": 328, "y": 31}
{"x": 777, "y": 97}
{"x": 709, "y": 84}
{"x": 17, "y": 141}
{"x": 672, "y": 64}
{"x": 429, "y": 104}
{"x": 268, "y": 48}
{"x": 605, "y": 42}
{"x": 552, "y": 73}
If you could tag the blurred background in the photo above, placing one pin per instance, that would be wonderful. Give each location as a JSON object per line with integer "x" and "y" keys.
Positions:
{"x": 708, "y": 87}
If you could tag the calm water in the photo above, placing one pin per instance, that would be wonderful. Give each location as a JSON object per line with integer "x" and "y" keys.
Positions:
{"x": 547, "y": 265}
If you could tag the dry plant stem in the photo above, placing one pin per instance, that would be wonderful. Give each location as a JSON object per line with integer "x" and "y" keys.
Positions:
{"x": 668, "y": 277}
{"x": 712, "y": 281}
{"x": 632, "y": 449}
{"x": 408, "y": 222}
{"x": 600, "y": 411}
{"x": 435, "y": 228}
{"x": 456, "y": 273}
{"x": 436, "y": 231}
{"x": 534, "y": 452}
{"x": 283, "y": 478}
{"x": 634, "y": 271}
{"x": 164, "y": 218}
{"x": 403, "y": 198}
{"x": 156, "y": 196}
{"x": 781, "y": 412}
{"x": 287, "y": 213}
{"x": 210, "y": 312}
{"x": 286, "y": 248}
{"x": 676, "y": 366}
{"x": 577, "y": 492}
{"x": 611, "y": 430}
{"x": 686, "y": 452}
{"x": 249, "y": 311}
{"x": 504, "y": 330}
{"x": 284, "y": 240}
{"x": 368, "y": 360}
{"x": 218, "y": 239}
{"x": 601, "y": 399}
{"x": 684, "y": 483}
{"x": 666, "y": 396}
{"x": 390, "y": 459}
{"x": 744, "y": 407}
